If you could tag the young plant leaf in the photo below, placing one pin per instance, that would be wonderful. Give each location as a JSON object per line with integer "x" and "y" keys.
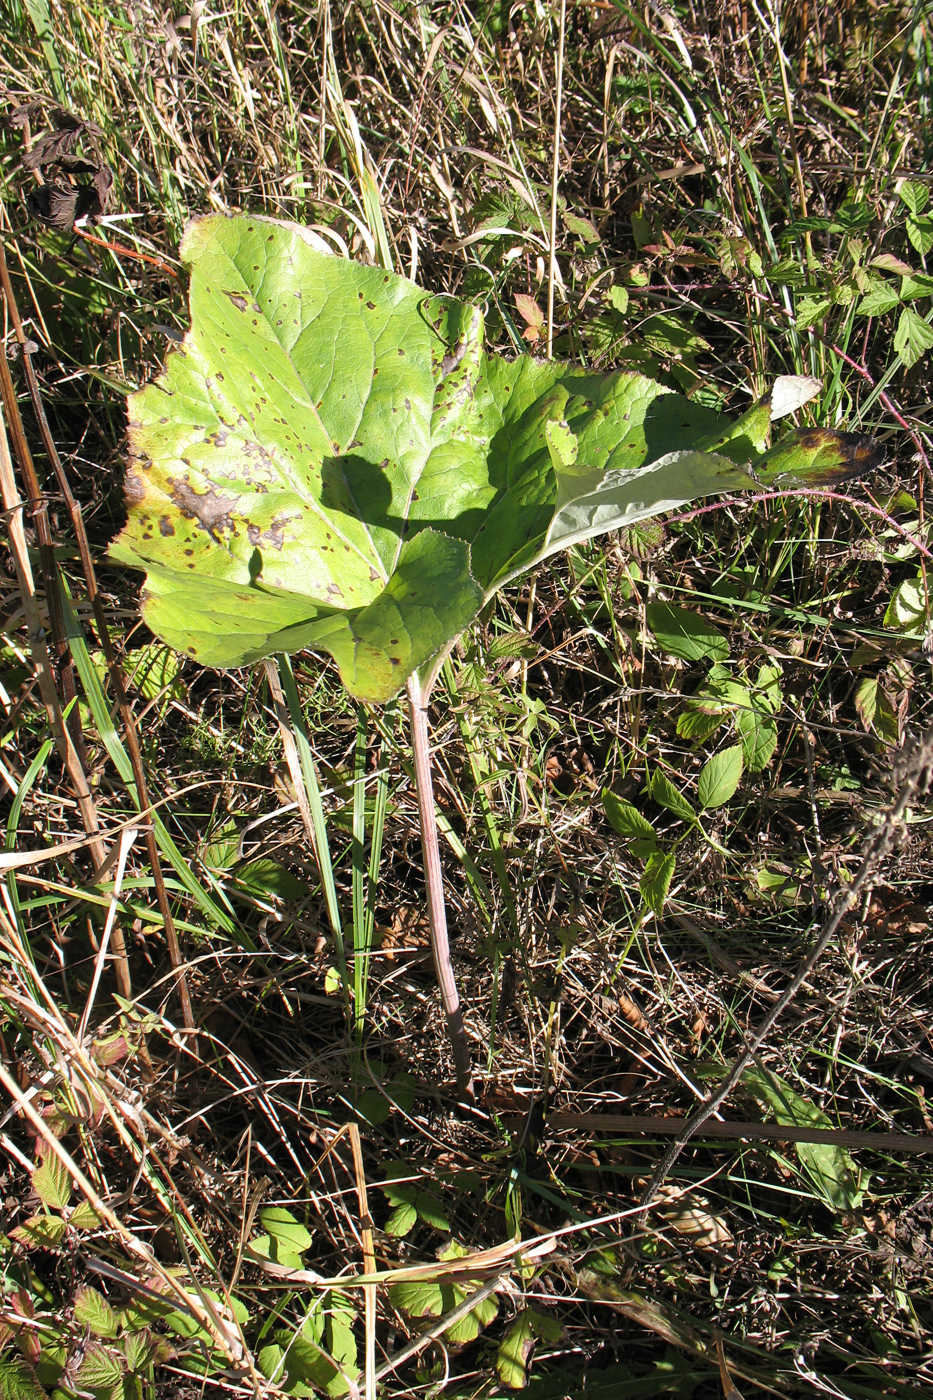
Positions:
{"x": 101, "y": 1372}
{"x": 912, "y": 338}
{"x": 662, "y": 790}
{"x": 52, "y": 1183}
{"x": 434, "y": 1297}
{"x": 686, "y": 634}
{"x": 759, "y": 736}
{"x": 41, "y": 1231}
{"x": 92, "y": 1310}
{"x": 626, "y": 819}
{"x": 330, "y": 461}
{"x": 719, "y": 777}
{"x": 18, "y": 1380}
{"x": 513, "y": 1356}
{"x": 831, "y": 1169}
{"x": 655, "y": 882}
{"x": 410, "y": 1201}
{"x": 285, "y": 1238}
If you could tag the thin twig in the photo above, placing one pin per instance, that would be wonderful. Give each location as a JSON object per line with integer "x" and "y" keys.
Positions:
{"x": 631, "y": 1125}
{"x": 555, "y": 178}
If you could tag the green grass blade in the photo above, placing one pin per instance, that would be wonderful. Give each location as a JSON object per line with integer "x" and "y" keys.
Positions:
{"x": 222, "y": 918}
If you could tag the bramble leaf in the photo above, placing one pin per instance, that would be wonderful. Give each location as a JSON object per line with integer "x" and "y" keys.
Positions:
{"x": 434, "y": 1297}
{"x": 52, "y": 1183}
{"x": 331, "y": 461}
{"x": 656, "y": 880}
{"x": 685, "y": 634}
{"x": 94, "y": 1311}
{"x": 719, "y": 777}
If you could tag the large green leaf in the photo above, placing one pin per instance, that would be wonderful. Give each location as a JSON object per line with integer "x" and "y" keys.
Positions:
{"x": 331, "y": 461}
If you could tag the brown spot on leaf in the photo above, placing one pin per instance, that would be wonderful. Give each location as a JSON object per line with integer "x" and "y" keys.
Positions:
{"x": 134, "y": 489}
{"x": 237, "y": 299}
{"x": 211, "y": 510}
{"x": 850, "y": 454}
{"x": 165, "y": 526}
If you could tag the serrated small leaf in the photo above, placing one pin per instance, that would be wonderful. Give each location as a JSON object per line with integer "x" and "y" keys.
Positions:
{"x": 880, "y": 298}
{"x": 518, "y": 1341}
{"x": 285, "y": 1231}
{"x": 912, "y": 338}
{"x": 811, "y": 310}
{"x": 140, "y": 1350}
{"x": 626, "y": 819}
{"x": 271, "y": 1361}
{"x": 916, "y": 284}
{"x": 41, "y": 1231}
{"x": 759, "y": 736}
{"x": 698, "y": 724}
{"x": 907, "y": 610}
{"x": 111, "y": 1049}
{"x": 768, "y": 687}
{"x": 102, "y": 1371}
{"x": 18, "y": 1380}
{"x": 92, "y": 1310}
{"x": 584, "y": 229}
{"x": 529, "y": 310}
{"x": 83, "y": 1217}
{"x": 719, "y": 777}
{"x": 685, "y": 634}
{"x": 401, "y": 1220}
{"x": 412, "y": 1202}
{"x": 435, "y": 1297}
{"x": 914, "y": 194}
{"x": 52, "y": 1183}
{"x": 866, "y": 700}
{"x": 920, "y": 233}
{"x": 661, "y": 790}
{"x": 655, "y": 883}
{"x": 619, "y": 298}
{"x": 889, "y": 263}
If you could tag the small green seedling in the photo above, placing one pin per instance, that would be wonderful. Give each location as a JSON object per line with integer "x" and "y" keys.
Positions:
{"x": 332, "y": 462}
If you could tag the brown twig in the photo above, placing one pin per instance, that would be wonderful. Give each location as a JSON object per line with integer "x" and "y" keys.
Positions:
{"x": 648, "y": 1125}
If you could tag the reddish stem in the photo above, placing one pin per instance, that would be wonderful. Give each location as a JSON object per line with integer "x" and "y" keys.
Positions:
{"x": 434, "y": 881}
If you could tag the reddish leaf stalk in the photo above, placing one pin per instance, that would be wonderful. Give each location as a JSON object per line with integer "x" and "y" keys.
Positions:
{"x": 434, "y": 881}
